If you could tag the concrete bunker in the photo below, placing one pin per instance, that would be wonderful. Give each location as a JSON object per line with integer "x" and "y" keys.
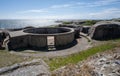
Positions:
{"x": 42, "y": 38}
{"x": 105, "y": 31}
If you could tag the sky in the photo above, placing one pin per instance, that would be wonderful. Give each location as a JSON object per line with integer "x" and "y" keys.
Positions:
{"x": 59, "y": 9}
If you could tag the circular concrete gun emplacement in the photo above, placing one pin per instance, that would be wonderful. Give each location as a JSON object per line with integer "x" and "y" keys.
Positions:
{"x": 38, "y": 38}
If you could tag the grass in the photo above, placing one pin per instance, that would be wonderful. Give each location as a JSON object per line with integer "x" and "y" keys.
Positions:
{"x": 7, "y": 59}
{"x": 89, "y": 22}
{"x": 57, "y": 62}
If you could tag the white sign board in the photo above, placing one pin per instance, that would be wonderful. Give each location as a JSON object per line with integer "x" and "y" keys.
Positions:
{"x": 50, "y": 40}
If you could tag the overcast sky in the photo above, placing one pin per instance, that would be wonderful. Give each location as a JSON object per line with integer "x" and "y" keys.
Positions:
{"x": 59, "y": 9}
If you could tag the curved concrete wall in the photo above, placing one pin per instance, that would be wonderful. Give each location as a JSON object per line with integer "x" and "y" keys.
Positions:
{"x": 35, "y": 40}
{"x": 18, "y": 42}
{"x": 105, "y": 31}
{"x": 42, "y": 31}
{"x": 64, "y": 39}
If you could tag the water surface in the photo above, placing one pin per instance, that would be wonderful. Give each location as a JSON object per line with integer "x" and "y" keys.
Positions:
{"x": 19, "y": 23}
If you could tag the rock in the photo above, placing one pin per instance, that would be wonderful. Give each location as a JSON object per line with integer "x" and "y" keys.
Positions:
{"x": 103, "y": 65}
{"x": 3, "y": 35}
{"x": 117, "y": 62}
{"x": 32, "y": 68}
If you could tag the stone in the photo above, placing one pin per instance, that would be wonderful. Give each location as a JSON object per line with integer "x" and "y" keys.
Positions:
{"x": 103, "y": 65}
{"x": 35, "y": 67}
{"x": 117, "y": 62}
{"x": 3, "y": 35}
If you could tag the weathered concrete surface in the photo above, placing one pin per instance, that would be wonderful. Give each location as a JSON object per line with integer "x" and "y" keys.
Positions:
{"x": 77, "y": 28}
{"x": 3, "y": 35}
{"x": 85, "y": 29}
{"x": 37, "y": 37}
{"x": 17, "y": 33}
{"x": 62, "y": 40}
{"x": 105, "y": 30}
{"x": 82, "y": 44}
{"x": 33, "y": 68}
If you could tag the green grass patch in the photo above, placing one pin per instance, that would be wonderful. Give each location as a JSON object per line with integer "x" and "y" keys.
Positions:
{"x": 7, "y": 59}
{"x": 57, "y": 62}
{"x": 89, "y": 22}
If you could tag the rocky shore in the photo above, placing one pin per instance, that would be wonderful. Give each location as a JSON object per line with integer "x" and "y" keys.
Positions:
{"x": 101, "y": 64}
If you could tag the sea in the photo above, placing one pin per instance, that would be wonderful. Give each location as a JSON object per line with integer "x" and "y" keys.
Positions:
{"x": 21, "y": 23}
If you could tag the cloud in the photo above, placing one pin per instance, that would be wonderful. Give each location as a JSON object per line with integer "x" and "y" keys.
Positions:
{"x": 61, "y": 6}
{"x": 105, "y": 14}
{"x": 97, "y": 3}
{"x": 69, "y": 16}
{"x": 74, "y": 5}
{"x": 90, "y": 4}
{"x": 101, "y": 14}
{"x": 33, "y": 11}
{"x": 103, "y": 3}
